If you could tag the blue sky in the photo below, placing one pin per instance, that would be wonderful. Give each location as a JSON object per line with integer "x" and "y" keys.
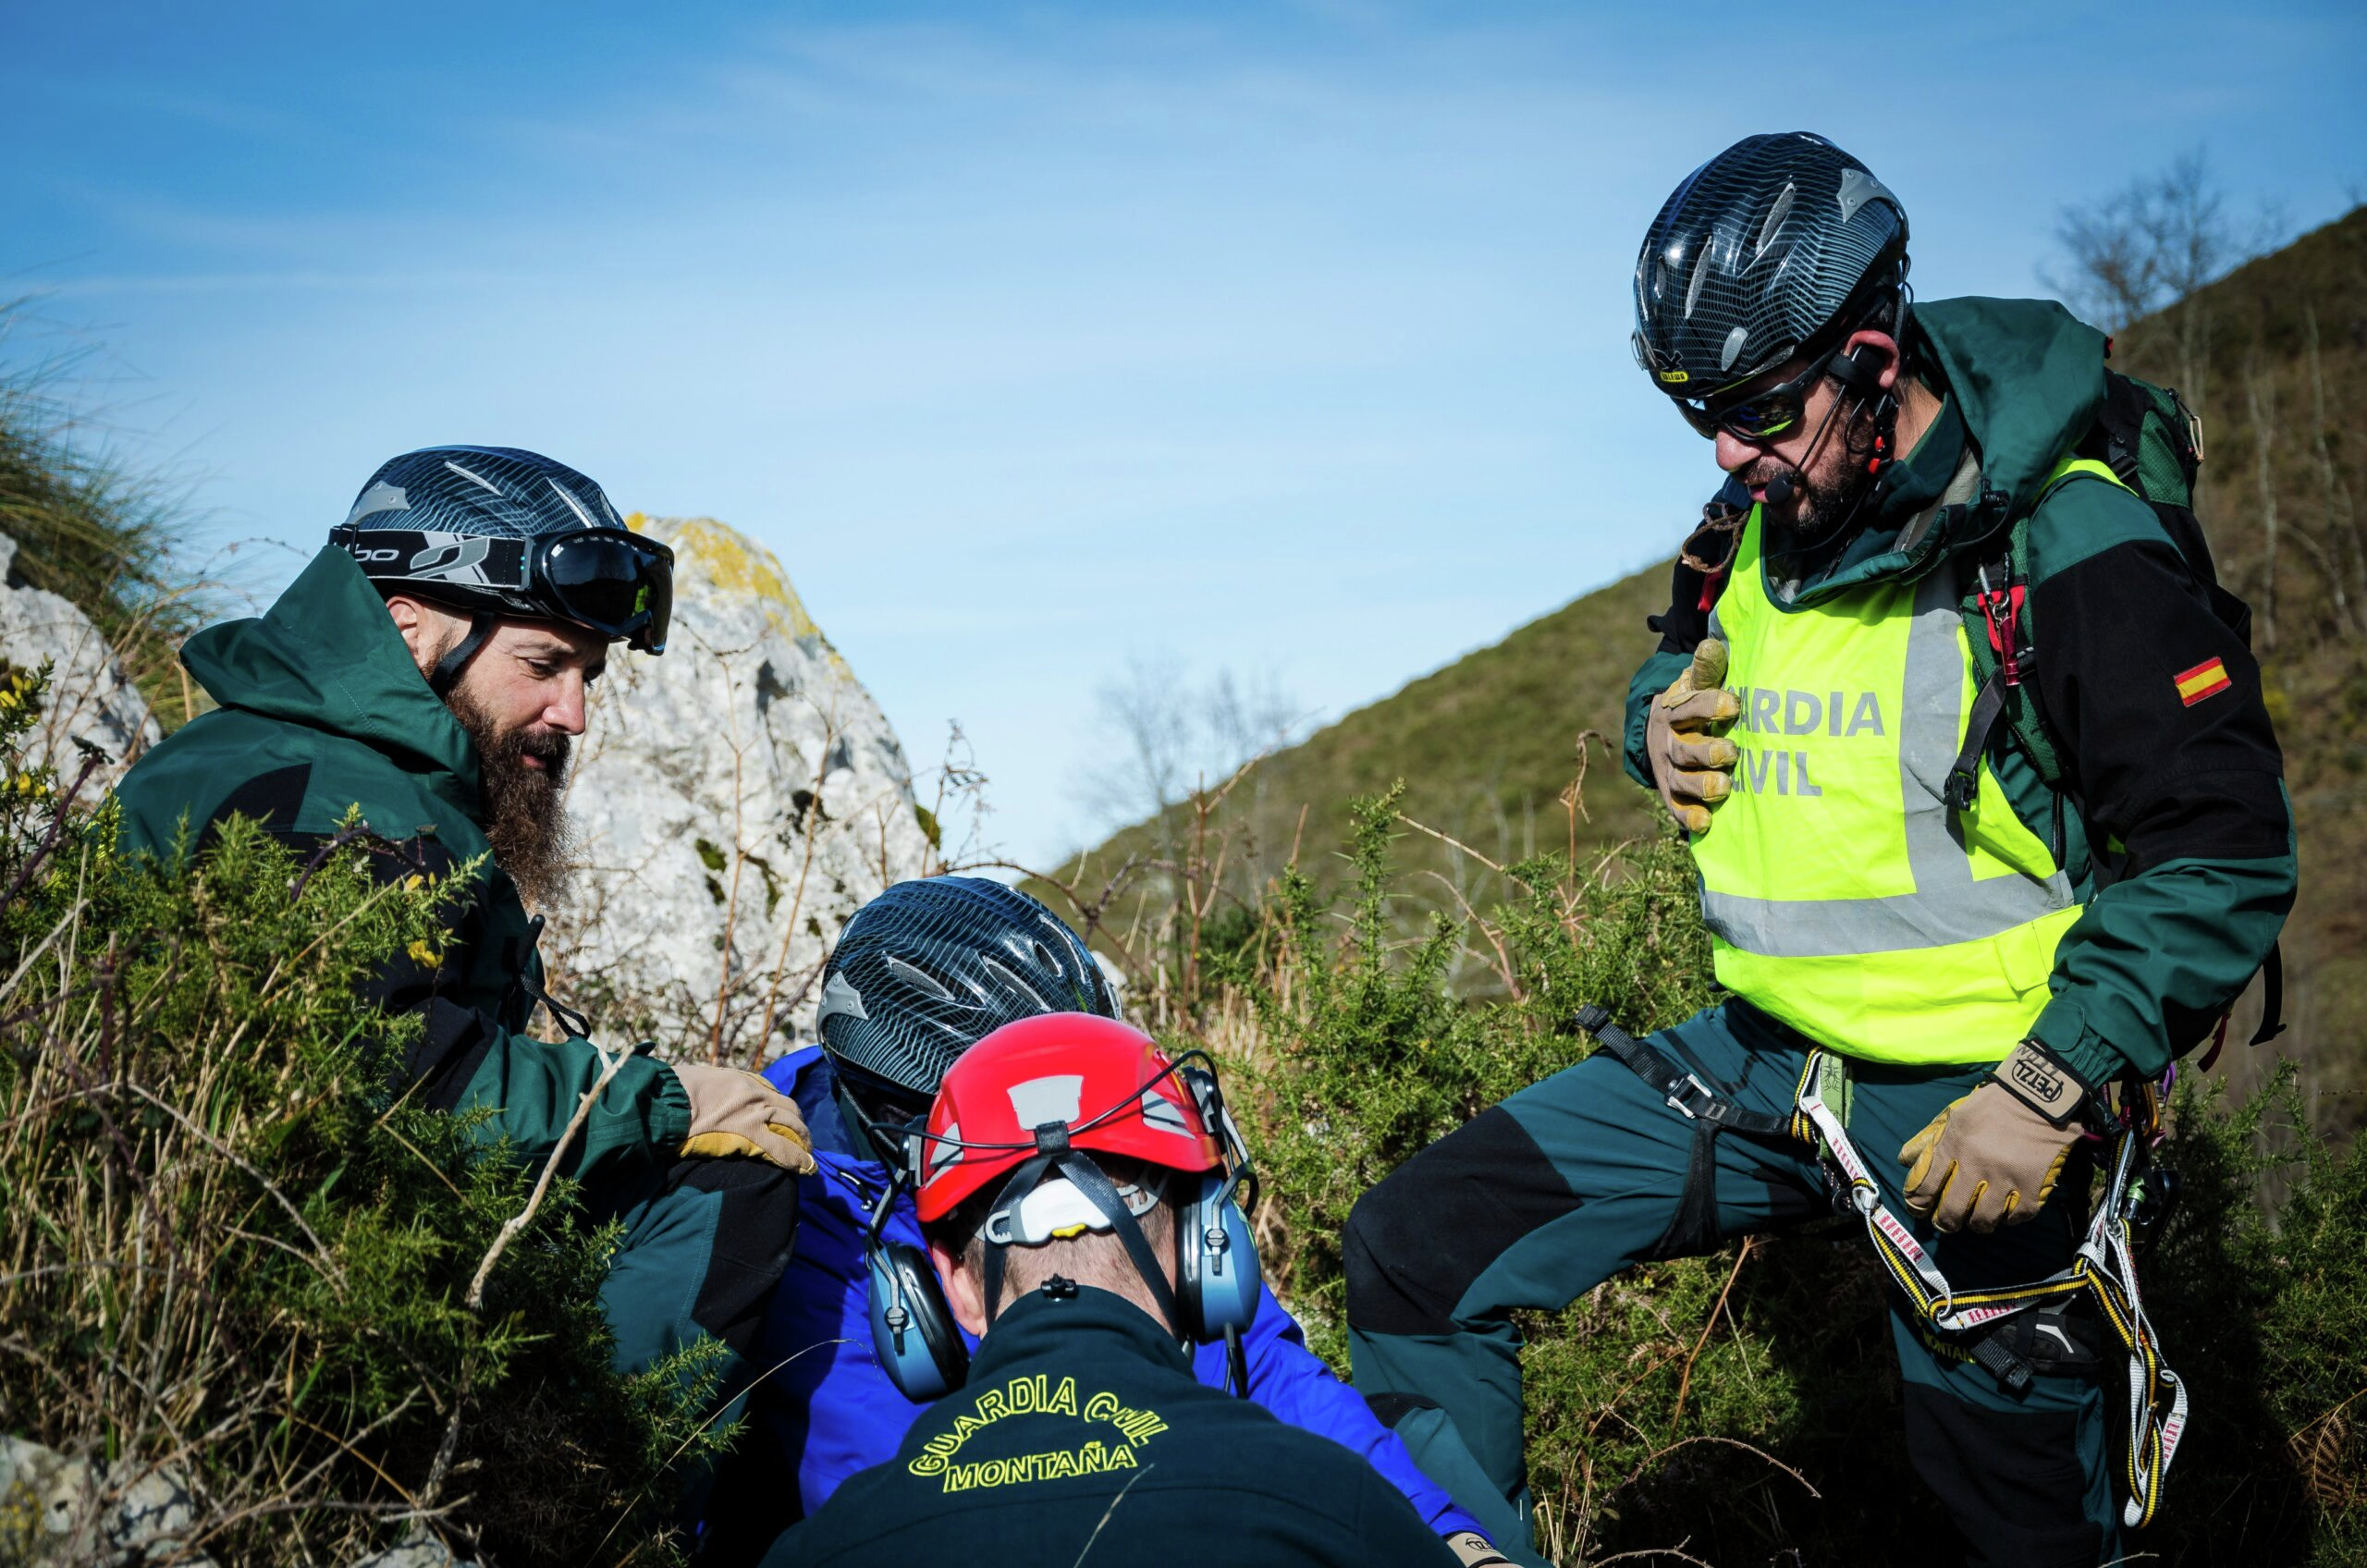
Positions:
{"x": 1037, "y": 338}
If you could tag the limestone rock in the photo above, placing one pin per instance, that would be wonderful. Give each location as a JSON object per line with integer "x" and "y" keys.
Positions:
{"x": 423, "y": 1553}
{"x": 91, "y": 698}
{"x": 735, "y": 800}
{"x": 56, "y": 1510}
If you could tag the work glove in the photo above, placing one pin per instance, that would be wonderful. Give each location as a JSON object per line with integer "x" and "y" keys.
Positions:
{"x": 738, "y": 1113}
{"x": 1476, "y": 1551}
{"x": 1689, "y": 764}
{"x": 1992, "y": 1156}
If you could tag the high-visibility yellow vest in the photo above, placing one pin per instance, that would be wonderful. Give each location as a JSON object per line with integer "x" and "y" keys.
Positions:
{"x": 1841, "y": 893}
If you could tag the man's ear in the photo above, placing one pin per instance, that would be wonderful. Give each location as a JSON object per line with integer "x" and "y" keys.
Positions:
{"x": 964, "y": 1291}
{"x": 424, "y": 629}
{"x": 1872, "y": 349}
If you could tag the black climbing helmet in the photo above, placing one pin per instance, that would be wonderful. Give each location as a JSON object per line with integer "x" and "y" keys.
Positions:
{"x": 498, "y": 532}
{"x": 1779, "y": 244}
{"x": 928, "y": 968}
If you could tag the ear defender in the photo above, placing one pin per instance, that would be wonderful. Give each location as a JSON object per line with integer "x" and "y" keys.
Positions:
{"x": 913, "y": 1331}
{"x": 1215, "y": 1273}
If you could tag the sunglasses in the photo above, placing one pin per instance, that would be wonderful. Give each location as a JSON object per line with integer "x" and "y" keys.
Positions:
{"x": 1761, "y": 416}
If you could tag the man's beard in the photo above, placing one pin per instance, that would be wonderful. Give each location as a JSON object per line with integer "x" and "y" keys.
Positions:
{"x": 525, "y": 808}
{"x": 1827, "y": 501}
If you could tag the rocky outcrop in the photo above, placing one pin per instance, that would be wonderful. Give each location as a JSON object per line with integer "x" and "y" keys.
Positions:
{"x": 90, "y": 701}
{"x": 736, "y": 800}
{"x": 79, "y": 1513}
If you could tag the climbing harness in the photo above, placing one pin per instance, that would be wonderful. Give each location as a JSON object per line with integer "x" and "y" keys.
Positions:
{"x": 2010, "y": 1347}
{"x": 2105, "y": 1269}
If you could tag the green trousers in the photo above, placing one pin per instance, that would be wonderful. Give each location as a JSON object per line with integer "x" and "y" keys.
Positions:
{"x": 1538, "y": 1200}
{"x": 705, "y": 1242}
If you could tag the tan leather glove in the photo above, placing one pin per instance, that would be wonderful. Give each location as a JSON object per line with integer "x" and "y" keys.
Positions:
{"x": 738, "y": 1113}
{"x": 1689, "y": 764}
{"x": 1992, "y": 1156}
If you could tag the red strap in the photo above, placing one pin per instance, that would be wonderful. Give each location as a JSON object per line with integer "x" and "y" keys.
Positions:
{"x": 1713, "y": 584}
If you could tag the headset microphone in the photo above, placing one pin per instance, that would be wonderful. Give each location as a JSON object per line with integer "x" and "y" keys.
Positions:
{"x": 1778, "y": 490}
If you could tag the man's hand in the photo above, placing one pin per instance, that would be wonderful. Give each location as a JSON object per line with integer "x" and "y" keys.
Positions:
{"x": 1992, "y": 1156}
{"x": 1689, "y": 764}
{"x": 738, "y": 1113}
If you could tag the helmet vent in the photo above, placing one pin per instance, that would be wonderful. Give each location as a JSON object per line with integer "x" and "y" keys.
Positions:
{"x": 920, "y": 979}
{"x": 472, "y": 478}
{"x": 574, "y": 505}
{"x": 1727, "y": 355}
{"x": 1011, "y": 982}
{"x": 1775, "y": 217}
{"x": 1701, "y": 277}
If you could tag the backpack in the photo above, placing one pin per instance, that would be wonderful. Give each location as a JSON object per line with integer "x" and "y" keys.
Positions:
{"x": 2146, "y": 440}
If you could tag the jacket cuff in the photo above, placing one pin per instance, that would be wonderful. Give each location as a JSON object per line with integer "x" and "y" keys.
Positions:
{"x": 670, "y": 1117}
{"x": 2062, "y": 1030}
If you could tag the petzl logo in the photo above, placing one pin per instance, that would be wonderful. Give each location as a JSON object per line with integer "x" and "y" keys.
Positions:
{"x": 2032, "y": 1073}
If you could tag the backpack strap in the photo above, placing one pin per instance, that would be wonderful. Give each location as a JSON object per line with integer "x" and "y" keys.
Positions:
{"x": 1999, "y": 626}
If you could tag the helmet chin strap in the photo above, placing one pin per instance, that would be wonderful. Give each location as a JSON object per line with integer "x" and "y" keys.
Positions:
{"x": 446, "y": 673}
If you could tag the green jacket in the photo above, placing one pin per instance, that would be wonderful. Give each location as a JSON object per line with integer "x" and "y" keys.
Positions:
{"x": 323, "y": 711}
{"x": 2172, "y": 821}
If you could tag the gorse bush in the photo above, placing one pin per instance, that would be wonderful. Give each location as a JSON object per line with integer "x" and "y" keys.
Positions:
{"x": 1744, "y": 1407}
{"x": 239, "y": 1265}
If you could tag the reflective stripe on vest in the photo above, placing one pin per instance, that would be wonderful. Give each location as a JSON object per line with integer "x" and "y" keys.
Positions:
{"x": 1841, "y": 894}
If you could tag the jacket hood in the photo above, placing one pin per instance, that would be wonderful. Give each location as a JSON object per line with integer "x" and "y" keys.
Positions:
{"x": 2029, "y": 377}
{"x": 2026, "y": 377}
{"x": 326, "y": 654}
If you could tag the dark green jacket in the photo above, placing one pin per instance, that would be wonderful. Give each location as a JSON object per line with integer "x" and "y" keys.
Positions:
{"x": 1082, "y": 1436}
{"x": 2172, "y": 822}
{"x": 322, "y": 711}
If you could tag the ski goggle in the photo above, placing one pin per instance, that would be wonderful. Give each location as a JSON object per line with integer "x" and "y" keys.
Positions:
{"x": 621, "y": 585}
{"x": 605, "y": 580}
{"x": 1764, "y": 415}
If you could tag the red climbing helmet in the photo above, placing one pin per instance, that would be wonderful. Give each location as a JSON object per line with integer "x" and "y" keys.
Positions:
{"x": 1107, "y": 1085}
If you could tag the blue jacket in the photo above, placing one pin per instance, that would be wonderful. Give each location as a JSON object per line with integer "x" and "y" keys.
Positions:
{"x": 829, "y": 1410}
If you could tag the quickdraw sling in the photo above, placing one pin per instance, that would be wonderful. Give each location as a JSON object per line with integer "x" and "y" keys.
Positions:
{"x": 2104, "y": 1267}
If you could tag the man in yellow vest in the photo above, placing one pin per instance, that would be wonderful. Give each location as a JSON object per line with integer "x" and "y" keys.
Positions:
{"x": 1977, "y": 942}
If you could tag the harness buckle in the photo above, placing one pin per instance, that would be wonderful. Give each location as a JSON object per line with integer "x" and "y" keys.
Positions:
{"x": 1693, "y": 1086}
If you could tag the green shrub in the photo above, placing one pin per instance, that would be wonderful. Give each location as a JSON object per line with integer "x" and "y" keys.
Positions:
{"x": 235, "y": 1260}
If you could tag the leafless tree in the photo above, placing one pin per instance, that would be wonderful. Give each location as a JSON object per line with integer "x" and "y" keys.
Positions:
{"x": 1165, "y": 737}
{"x": 2149, "y": 248}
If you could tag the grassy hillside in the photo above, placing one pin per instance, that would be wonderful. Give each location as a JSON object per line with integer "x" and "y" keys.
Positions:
{"x": 2274, "y": 355}
{"x": 2274, "y": 359}
{"x": 1488, "y": 747}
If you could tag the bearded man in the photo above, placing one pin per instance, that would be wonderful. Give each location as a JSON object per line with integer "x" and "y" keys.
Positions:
{"x": 427, "y": 673}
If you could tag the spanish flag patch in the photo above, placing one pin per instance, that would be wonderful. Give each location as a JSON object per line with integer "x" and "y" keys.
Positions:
{"x": 2205, "y": 680}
